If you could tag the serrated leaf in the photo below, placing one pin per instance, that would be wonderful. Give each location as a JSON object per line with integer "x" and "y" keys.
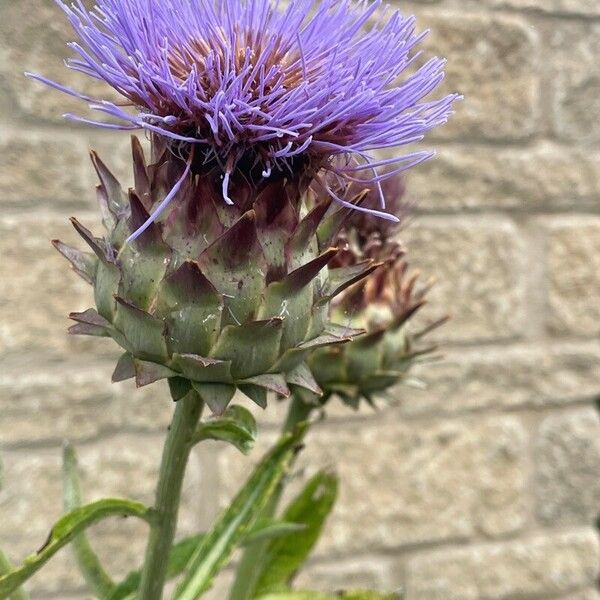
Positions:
{"x": 285, "y": 556}
{"x": 236, "y": 426}
{"x": 64, "y": 531}
{"x": 98, "y": 580}
{"x": 232, "y": 526}
{"x": 267, "y": 529}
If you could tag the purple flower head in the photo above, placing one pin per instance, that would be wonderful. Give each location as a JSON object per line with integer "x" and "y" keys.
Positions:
{"x": 263, "y": 83}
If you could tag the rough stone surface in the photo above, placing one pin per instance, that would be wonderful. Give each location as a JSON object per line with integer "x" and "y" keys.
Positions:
{"x": 546, "y": 177}
{"x": 575, "y": 7}
{"x": 568, "y": 474}
{"x": 573, "y": 248}
{"x": 33, "y": 38}
{"x": 38, "y": 291}
{"x": 479, "y": 273}
{"x": 41, "y": 171}
{"x": 122, "y": 465}
{"x": 494, "y": 63}
{"x": 576, "y": 82}
{"x": 359, "y": 573}
{"x": 536, "y": 567}
{"x": 79, "y": 404}
{"x": 524, "y": 376}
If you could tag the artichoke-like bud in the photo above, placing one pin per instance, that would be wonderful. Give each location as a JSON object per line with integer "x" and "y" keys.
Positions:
{"x": 215, "y": 296}
{"x": 383, "y": 305}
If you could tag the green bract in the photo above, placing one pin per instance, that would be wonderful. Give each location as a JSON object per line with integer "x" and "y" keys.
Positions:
{"x": 368, "y": 365}
{"x": 214, "y": 296}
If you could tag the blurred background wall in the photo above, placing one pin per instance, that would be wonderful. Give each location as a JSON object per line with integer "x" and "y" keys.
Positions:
{"x": 486, "y": 485}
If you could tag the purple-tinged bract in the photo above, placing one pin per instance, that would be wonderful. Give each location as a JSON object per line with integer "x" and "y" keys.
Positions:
{"x": 260, "y": 85}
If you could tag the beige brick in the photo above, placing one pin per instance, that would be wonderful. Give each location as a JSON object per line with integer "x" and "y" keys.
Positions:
{"x": 543, "y": 177}
{"x": 77, "y": 405}
{"x": 38, "y": 291}
{"x": 402, "y": 484}
{"x": 568, "y": 468}
{"x": 535, "y": 567}
{"x": 41, "y": 172}
{"x": 589, "y": 594}
{"x": 33, "y": 36}
{"x": 575, "y": 84}
{"x": 493, "y": 61}
{"x": 364, "y": 572}
{"x": 118, "y": 466}
{"x": 494, "y": 377}
{"x": 479, "y": 272}
{"x": 573, "y": 270}
{"x": 571, "y": 7}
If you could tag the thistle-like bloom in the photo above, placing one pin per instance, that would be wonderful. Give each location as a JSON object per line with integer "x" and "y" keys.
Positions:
{"x": 258, "y": 88}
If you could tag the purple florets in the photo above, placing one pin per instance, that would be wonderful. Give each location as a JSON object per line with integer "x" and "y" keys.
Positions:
{"x": 256, "y": 79}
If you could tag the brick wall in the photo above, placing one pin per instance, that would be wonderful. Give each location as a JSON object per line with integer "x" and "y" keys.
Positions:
{"x": 484, "y": 486}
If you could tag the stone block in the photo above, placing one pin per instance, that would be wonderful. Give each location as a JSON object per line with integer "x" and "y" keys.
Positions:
{"x": 567, "y": 459}
{"x": 573, "y": 272}
{"x": 478, "y": 266}
{"x": 540, "y": 567}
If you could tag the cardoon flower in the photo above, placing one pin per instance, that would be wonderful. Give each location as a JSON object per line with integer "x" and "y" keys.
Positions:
{"x": 383, "y": 304}
{"x": 263, "y": 120}
{"x": 259, "y": 90}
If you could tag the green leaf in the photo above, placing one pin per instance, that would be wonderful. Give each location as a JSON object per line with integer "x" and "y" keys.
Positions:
{"x": 285, "y": 556}
{"x": 267, "y": 529}
{"x": 94, "y": 574}
{"x": 6, "y": 567}
{"x": 65, "y": 529}
{"x": 178, "y": 558}
{"x": 233, "y": 525}
{"x": 236, "y": 426}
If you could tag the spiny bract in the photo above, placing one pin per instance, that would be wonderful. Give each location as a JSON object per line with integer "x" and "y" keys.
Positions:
{"x": 383, "y": 305}
{"x": 216, "y": 297}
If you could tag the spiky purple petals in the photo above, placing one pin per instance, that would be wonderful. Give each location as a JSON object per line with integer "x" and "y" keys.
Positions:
{"x": 258, "y": 86}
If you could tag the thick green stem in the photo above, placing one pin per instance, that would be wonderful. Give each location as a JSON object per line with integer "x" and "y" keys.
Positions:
{"x": 168, "y": 495}
{"x": 250, "y": 567}
{"x": 6, "y": 567}
{"x": 299, "y": 411}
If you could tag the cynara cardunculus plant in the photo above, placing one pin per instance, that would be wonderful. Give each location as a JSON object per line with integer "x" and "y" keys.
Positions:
{"x": 234, "y": 260}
